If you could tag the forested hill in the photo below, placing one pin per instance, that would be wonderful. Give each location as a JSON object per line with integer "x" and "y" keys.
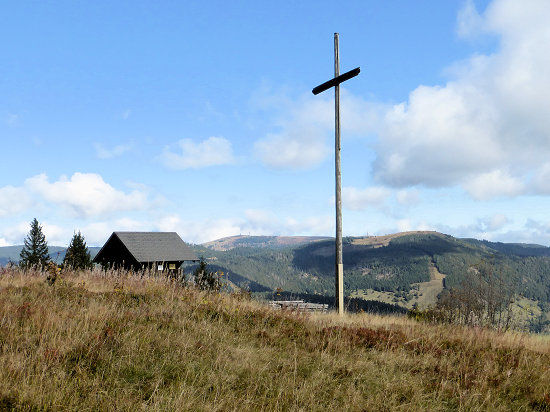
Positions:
{"x": 512, "y": 249}
{"x": 391, "y": 263}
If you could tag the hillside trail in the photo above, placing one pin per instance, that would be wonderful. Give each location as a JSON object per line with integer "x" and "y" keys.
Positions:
{"x": 429, "y": 291}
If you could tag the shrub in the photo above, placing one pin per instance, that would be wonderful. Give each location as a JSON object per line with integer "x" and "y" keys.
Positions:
{"x": 206, "y": 279}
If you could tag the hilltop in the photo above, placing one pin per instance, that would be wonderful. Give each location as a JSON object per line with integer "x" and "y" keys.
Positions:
{"x": 91, "y": 342}
{"x": 384, "y": 240}
{"x": 232, "y": 242}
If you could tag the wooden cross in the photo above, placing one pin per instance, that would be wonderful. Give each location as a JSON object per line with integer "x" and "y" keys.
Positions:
{"x": 335, "y": 82}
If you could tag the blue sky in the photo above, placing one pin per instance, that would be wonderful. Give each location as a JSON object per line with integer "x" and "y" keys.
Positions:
{"x": 198, "y": 117}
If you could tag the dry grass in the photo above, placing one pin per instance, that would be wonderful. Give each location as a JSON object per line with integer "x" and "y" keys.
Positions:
{"x": 126, "y": 343}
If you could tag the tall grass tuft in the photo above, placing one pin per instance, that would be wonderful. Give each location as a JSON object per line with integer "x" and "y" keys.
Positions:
{"x": 120, "y": 341}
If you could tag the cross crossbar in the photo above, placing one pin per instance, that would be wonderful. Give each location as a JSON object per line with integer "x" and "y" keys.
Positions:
{"x": 336, "y": 81}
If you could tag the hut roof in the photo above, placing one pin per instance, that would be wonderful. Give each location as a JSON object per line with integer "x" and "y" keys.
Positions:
{"x": 152, "y": 246}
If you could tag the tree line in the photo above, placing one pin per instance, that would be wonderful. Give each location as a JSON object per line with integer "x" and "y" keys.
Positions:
{"x": 35, "y": 251}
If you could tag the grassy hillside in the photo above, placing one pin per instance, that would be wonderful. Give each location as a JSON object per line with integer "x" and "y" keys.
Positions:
{"x": 406, "y": 269}
{"x": 91, "y": 342}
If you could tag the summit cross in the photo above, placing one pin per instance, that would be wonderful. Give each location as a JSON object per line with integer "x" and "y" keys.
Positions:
{"x": 335, "y": 82}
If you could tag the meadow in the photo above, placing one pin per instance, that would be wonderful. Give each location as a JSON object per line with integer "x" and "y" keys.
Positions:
{"x": 118, "y": 341}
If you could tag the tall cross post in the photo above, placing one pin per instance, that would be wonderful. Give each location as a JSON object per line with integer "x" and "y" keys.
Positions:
{"x": 335, "y": 82}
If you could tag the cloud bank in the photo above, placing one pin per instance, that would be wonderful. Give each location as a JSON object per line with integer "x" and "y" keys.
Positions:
{"x": 85, "y": 194}
{"x": 303, "y": 128}
{"x": 487, "y": 129}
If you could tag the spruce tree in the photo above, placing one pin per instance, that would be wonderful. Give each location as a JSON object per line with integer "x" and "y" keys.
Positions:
{"x": 77, "y": 256}
{"x": 35, "y": 250}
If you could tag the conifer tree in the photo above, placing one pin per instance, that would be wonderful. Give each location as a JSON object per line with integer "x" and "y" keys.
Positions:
{"x": 35, "y": 250}
{"x": 77, "y": 256}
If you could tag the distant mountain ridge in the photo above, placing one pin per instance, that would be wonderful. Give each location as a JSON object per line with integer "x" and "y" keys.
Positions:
{"x": 251, "y": 241}
{"x": 57, "y": 253}
{"x": 232, "y": 242}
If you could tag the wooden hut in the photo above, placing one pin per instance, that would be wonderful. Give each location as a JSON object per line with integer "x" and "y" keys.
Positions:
{"x": 160, "y": 251}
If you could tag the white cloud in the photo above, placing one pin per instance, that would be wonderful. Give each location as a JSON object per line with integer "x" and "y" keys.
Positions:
{"x": 541, "y": 181}
{"x": 86, "y": 194}
{"x": 310, "y": 226}
{"x": 254, "y": 222}
{"x": 469, "y": 22}
{"x": 532, "y": 231}
{"x": 494, "y": 184}
{"x": 105, "y": 153}
{"x": 298, "y": 150}
{"x": 489, "y": 124}
{"x": 360, "y": 199}
{"x": 404, "y": 225}
{"x": 303, "y": 128}
{"x": 436, "y": 139}
{"x": 13, "y": 200}
{"x": 300, "y": 141}
{"x": 127, "y": 224}
{"x": 14, "y": 234}
{"x": 408, "y": 197}
{"x": 199, "y": 231}
{"x": 214, "y": 151}
{"x": 55, "y": 235}
{"x": 263, "y": 222}
{"x": 259, "y": 222}
{"x": 493, "y": 223}
{"x": 536, "y": 231}
{"x": 97, "y": 233}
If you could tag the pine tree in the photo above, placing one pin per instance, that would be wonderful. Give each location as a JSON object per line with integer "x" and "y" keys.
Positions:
{"x": 77, "y": 256}
{"x": 35, "y": 251}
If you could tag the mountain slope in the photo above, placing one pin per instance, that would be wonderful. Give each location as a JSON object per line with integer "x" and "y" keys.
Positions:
{"x": 398, "y": 265}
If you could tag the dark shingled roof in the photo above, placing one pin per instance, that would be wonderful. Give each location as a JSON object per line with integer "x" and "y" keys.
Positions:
{"x": 153, "y": 246}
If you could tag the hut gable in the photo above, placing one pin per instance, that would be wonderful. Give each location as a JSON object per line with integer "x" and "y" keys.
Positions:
{"x": 143, "y": 249}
